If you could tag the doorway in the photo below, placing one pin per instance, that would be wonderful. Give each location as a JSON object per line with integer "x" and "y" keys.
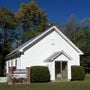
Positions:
{"x": 61, "y": 70}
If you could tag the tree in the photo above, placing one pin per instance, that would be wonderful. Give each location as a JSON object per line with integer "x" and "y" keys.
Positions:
{"x": 85, "y": 59}
{"x": 7, "y": 24}
{"x": 31, "y": 19}
{"x": 71, "y": 27}
{"x": 85, "y": 22}
{"x": 79, "y": 33}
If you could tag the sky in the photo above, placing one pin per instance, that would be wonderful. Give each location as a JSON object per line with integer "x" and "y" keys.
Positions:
{"x": 57, "y": 10}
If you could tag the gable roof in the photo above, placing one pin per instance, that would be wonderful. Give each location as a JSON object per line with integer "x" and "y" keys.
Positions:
{"x": 30, "y": 43}
{"x": 57, "y": 54}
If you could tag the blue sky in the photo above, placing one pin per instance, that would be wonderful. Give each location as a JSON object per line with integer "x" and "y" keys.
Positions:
{"x": 57, "y": 10}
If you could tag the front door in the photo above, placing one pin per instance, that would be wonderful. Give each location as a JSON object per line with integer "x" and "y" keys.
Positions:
{"x": 61, "y": 70}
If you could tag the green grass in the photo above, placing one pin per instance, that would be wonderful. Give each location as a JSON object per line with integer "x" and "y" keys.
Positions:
{"x": 72, "y": 85}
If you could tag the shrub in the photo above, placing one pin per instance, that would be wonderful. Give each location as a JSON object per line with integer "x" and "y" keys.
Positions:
{"x": 77, "y": 73}
{"x": 40, "y": 74}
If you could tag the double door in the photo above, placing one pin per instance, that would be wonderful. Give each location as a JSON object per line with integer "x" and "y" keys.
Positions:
{"x": 61, "y": 70}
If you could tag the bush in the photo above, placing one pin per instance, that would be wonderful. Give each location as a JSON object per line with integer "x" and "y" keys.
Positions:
{"x": 77, "y": 73}
{"x": 40, "y": 74}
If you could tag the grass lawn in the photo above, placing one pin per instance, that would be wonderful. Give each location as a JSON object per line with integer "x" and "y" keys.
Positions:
{"x": 72, "y": 85}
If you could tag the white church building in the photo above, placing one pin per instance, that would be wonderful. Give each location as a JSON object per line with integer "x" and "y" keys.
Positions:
{"x": 51, "y": 49}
